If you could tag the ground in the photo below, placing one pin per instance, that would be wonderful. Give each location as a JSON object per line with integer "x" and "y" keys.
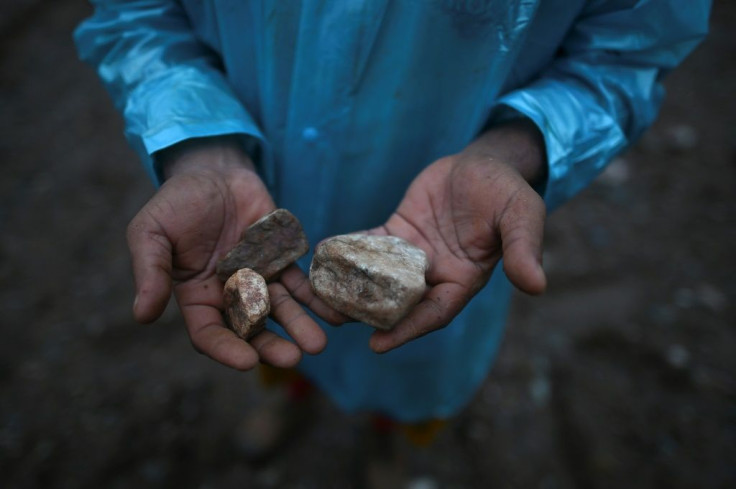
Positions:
{"x": 622, "y": 375}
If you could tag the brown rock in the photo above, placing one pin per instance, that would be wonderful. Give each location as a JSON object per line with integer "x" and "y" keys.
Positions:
{"x": 374, "y": 279}
{"x": 247, "y": 303}
{"x": 268, "y": 246}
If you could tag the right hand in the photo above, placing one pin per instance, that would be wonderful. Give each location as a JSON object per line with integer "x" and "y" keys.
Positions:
{"x": 211, "y": 194}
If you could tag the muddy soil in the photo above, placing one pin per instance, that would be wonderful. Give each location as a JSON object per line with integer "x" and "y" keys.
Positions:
{"x": 622, "y": 375}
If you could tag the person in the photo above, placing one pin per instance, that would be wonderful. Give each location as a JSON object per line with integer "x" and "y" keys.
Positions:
{"x": 454, "y": 124}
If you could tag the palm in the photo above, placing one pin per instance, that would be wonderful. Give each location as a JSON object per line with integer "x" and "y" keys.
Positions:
{"x": 465, "y": 214}
{"x": 209, "y": 217}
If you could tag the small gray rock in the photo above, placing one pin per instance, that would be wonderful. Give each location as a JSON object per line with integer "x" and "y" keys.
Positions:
{"x": 374, "y": 279}
{"x": 268, "y": 246}
{"x": 247, "y": 303}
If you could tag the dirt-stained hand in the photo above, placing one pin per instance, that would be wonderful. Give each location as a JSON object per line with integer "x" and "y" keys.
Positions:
{"x": 467, "y": 211}
{"x": 211, "y": 194}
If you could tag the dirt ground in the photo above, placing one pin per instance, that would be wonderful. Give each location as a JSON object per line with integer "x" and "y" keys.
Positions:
{"x": 622, "y": 375}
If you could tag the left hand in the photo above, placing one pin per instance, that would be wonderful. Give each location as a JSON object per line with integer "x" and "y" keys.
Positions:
{"x": 212, "y": 193}
{"x": 467, "y": 211}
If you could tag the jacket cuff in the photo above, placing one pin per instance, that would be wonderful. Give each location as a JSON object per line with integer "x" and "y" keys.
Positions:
{"x": 580, "y": 138}
{"x": 185, "y": 104}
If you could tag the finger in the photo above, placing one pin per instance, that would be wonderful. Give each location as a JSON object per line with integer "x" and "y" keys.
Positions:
{"x": 522, "y": 231}
{"x": 210, "y": 337}
{"x": 441, "y": 304}
{"x": 150, "y": 253}
{"x": 297, "y": 284}
{"x": 276, "y": 351}
{"x": 295, "y": 321}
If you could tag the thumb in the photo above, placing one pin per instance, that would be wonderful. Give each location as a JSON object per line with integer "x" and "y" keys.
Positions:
{"x": 522, "y": 230}
{"x": 150, "y": 252}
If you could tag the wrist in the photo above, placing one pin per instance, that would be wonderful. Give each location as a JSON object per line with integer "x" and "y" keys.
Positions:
{"x": 518, "y": 143}
{"x": 216, "y": 153}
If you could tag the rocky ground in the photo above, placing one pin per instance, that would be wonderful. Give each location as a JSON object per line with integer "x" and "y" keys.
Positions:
{"x": 623, "y": 375}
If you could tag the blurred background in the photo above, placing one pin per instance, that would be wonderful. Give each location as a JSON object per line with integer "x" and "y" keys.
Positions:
{"x": 622, "y": 375}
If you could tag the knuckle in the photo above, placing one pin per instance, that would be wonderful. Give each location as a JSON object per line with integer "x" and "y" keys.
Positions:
{"x": 264, "y": 343}
{"x": 278, "y": 298}
{"x": 298, "y": 316}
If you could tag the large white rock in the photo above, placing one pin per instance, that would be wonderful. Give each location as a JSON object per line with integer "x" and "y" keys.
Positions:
{"x": 374, "y": 279}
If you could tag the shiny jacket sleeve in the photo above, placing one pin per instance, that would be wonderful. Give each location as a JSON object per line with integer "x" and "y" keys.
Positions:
{"x": 603, "y": 88}
{"x": 167, "y": 84}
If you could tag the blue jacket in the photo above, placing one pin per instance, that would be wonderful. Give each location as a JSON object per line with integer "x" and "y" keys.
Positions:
{"x": 346, "y": 101}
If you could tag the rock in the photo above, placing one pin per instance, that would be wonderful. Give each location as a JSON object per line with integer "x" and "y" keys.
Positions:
{"x": 268, "y": 246}
{"x": 247, "y": 303}
{"x": 374, "y": 279}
